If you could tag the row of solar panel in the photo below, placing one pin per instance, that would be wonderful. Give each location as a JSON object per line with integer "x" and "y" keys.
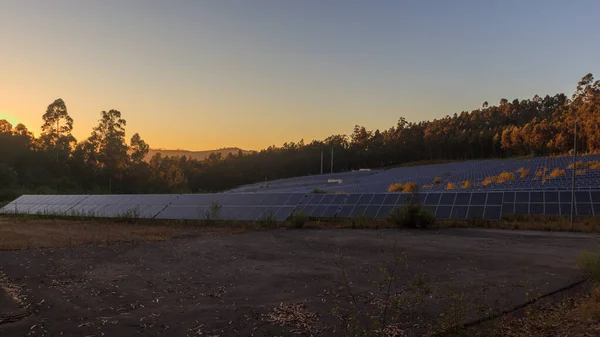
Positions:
{"x": 279, "y": 206}
{"x": 247, "y": 207}
{"x": 451, "y": 198}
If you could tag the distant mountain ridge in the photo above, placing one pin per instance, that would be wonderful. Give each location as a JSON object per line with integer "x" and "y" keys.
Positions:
{"x": 198, "y": 155}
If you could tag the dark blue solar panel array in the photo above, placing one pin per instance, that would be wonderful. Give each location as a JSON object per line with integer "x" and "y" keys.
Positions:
{"x": 279, "y": 206}
{"x": 447, "y": 205}
{"x": 378, "y": 181}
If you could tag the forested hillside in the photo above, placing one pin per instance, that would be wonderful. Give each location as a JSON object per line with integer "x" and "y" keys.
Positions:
{"x": 198, "y": 155}
{"x": 107, "y": 161}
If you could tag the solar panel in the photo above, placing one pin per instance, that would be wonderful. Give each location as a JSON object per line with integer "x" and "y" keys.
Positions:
{"x": 565, "y": 209}
{"x": 391, "y": 199}
{"x": 283, "y": 213}
{"x": 339, "y": 199}
{"x": 494, "y": 198}
{"x": 359, "y": 210}
{"x": 447, "y": 199}
{"x": 384, "y": 211}
{"x": 475, "y": 212}
{"x": 431, "y": 208}
{"x": 565, "y": 196}
{"x": 509, "y": 197}
{"x": 263, "y": 206}
{"x": 536, "y": 208}
{"x": 371, "y": 211}
{"x": 522, "y": 197}
{"x": 583, "y": 209}
{"x": 365, "y": 199}
{"x": 345, "y": 211}
{"x": 318, "y": 211}
{"x": 462, "y": 199}
{"x": 536, "y": 196}
{"x": 582, "y": 197}
{"x": 522, "y": 208}
{"x": 327, "y": 199}
{"x": 479, "y": 199}
{"x": 308, "y": 209}
{"x": 552, "y": 209}
{"x": 443, "y": 212}
{"x": 433, "y": 198}
{"x": 551, "y": 196}
{"x": 459, "y": 213}
{"x": 378, "y": 199}
{"x": 330, "y": 212}
{"x": 493, "y": 213}
{"x": 353, "y": 199}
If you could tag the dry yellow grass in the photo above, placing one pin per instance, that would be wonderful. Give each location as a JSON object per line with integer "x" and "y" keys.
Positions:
{"x": 427, "y": 186}
{"x": 593, "y": 165}
{"x": 488, "y": 180}
{"x": 580, "y": 172}
{"x": 557, "y": 172}
{"x": 451, "y": 186}
{"x": 406, "y": 187}
{"x": 505, "y": 177}
{"x": 18, "y": 233}
{"x": 410, "y": 187}
{"x": 396, "y": 187}
{"x": 465, "y": 184}
{"x": 523, "y": 172}
{"x": 578, "y": 164}
{"x": 541, "y": 172}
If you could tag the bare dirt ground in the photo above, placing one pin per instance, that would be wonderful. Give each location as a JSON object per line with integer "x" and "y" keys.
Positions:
{"x": 283, "y": 282}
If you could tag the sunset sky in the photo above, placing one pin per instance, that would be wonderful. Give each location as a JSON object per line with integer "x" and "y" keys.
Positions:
{"x": 249, "y": 73}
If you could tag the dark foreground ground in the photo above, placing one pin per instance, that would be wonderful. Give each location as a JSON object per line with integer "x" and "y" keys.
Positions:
{"x": 283, "y": 282}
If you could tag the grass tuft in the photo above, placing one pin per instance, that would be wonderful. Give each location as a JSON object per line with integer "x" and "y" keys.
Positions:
{"x": 523, "y": 172}
{"x": 590, "y": 263}
{"x": 557, "y": 172}
{"x": 407, "y": 187}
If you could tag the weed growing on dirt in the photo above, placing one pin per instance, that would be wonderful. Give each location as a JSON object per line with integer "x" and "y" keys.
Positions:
{"x": 298, "y": 220}
{"x": 358, "y": 221}
{"x": 590, "y": 263}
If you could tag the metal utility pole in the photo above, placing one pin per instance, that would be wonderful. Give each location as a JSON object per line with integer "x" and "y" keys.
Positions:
{"x": 321, "y": 161}
{"x": 574, "y": 172}
{"x": 332, "y": 159}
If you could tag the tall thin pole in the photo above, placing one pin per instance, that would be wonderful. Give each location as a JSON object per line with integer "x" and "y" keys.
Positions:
{"x": 332, "y": 159}
{"x": 573, "y": 177}
{"x": 321, "y": 161}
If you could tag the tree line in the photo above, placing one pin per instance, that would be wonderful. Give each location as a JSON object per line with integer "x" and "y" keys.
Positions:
{"x": 108, "y": 162}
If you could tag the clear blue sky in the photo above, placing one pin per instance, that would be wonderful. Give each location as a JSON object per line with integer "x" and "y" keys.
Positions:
{"x": 249, "y": 73}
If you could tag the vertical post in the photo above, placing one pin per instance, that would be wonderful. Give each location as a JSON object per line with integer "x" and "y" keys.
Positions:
{"x": 321, "y": 161}
{"x": 573, "y": 176}
{"x": 332, "y": 159}
{"x": 109, "y": 185}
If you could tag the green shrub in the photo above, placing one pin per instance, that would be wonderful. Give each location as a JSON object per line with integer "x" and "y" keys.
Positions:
{"x": 299, "y": 220}
{"x": 590, "y": 263}
{"x": 268, "y": 219}
{"x": 318, "y": 191}
{"x": 358, "y": 221}
{"x": 412, "y": 216}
